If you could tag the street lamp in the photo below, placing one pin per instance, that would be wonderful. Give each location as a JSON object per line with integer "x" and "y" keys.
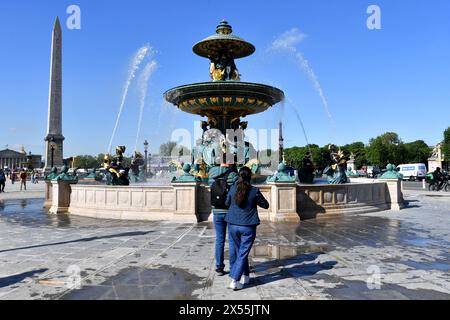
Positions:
{"x": 52, "y": 149}
{"x": 146, "y": 159}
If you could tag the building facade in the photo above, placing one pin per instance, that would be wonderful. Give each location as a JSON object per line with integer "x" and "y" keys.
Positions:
{"x": 10, "y": 159}
{"x": 437, "y": 159}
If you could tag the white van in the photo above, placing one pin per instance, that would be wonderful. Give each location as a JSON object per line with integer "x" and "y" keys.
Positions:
{"x": 413, "y": 172}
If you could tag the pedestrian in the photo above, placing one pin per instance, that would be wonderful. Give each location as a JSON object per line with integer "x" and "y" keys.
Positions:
{"x": 13, "y": 177}
{"x": 242, "y": 218}
{"x": 36, "y": 178}
{"x": 32, "y": 178}
{"x": 2, "y": 181}
{"x": 224, "y": 178}
{"x": 23, "y": 180}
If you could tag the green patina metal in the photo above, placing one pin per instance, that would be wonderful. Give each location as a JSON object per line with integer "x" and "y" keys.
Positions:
{"x": 224, "y": 41}
{"x": 391, "y": 173}
{"x": 281, "y": 175}
{"x": 351, "y": 174}
{"x": 336, "y": 173}
{"x": 225, "y": 100}
{"x": 52, "y": 175}
{"x": 65, "y": 176}
{"x": 186, "y": 176}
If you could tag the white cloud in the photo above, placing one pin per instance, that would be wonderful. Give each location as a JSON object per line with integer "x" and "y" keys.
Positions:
{"x": 288, "y": 39}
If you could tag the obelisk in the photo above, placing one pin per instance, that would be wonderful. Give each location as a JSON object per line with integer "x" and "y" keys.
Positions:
{"x": 280, "y": 143}
{"x": 54, "y": 139}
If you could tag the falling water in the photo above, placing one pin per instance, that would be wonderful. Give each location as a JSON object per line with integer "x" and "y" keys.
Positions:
{"x": 286, "y": 42}
{"x": 297, "y": 114}
{"x": 134, "y": 67}
{"x": 143, "y": 88}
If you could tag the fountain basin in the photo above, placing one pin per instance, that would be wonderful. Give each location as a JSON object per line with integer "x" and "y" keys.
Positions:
{"x": 220, "y": 98}
{"x": 289, "y": 202}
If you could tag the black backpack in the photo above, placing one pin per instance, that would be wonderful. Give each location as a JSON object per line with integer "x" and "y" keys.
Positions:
{"x": 219, "y": 191}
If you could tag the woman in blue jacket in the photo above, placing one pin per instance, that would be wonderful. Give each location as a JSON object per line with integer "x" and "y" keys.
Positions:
{"x": 242, "y": 218}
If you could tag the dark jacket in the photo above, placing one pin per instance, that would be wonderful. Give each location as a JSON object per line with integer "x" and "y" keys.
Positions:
{"x": 248, "y": 214}
{"x": 218, "y": 172}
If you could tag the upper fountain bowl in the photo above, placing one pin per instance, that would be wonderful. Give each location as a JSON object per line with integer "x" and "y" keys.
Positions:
{"x": 224, "y": 41}
{"x": 234, "y": 98}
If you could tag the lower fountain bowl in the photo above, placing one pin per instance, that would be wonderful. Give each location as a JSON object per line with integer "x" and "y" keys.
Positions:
{"x": 224, "y": 97}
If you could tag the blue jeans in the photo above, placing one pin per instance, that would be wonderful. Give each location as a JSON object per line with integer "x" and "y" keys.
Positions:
{"x": 243, "y": 238}
{"x": 221, "y": 232}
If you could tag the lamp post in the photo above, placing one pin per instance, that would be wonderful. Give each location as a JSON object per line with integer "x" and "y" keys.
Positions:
{"x": 146, "y": 159}
{"x": 30, "y": 162}
{"x": 52, "y": 149}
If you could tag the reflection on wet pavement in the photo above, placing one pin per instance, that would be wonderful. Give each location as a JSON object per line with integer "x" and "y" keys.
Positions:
{"x": 161, "y": 283}
{"x": 30, "y": 213}
{"x": 318, "y": 259}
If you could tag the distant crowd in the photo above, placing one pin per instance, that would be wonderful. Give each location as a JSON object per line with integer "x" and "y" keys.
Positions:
{"x": 18, "y": 175}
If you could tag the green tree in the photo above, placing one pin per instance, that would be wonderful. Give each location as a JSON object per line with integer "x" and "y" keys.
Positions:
{"x": 417, "y": 152}
{"x": 320, "y": 156}
{"x": 166, "y": 148}
{"x": 173, "y": 149}
{"x": 446, "y": 146}
{"x": 294, "y": 156}
{"x": 387, "y": 148}
{"x": 358, "y": 149}
{"x": 85, "y": 162}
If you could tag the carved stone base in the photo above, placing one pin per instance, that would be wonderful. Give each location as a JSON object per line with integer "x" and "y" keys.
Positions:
{"x": 48, "y": 194}
{"x": 186, "y": 198}
{"x": 394, "y": 194}
{"x": 61, "y": 191}
{"x": 283, "y": 202}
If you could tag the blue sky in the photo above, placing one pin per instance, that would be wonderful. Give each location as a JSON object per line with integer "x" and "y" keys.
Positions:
{"x": 393, "y": 79}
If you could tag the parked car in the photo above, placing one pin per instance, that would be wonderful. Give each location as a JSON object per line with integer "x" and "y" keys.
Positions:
{"x": 413, "y": 172}
{"x": 291, "y": 171}
{"x": 373, "y": 171}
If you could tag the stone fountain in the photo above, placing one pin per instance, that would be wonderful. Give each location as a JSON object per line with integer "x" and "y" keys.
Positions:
{"x": 224, "y": 101}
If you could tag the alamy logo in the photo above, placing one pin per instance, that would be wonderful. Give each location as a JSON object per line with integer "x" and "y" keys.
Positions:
{"x": 374, "y": 20}
{"x": 374, "y": 280}
{"x": 74, "y": 20}
{"x": 74, "y": 278}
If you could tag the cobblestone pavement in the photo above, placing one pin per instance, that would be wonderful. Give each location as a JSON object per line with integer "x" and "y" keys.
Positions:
{"x": 12, "y": 191}
{"x": 387, "y": 255}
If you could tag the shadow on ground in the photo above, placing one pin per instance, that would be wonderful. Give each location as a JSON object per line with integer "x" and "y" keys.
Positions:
{"x": 294, "y": 267}
{"x": 10, "y": 280}
{"x": 119, "y": 235}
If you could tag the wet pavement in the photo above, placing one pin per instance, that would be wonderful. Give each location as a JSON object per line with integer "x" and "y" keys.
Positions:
{"x": 386, "y": 255}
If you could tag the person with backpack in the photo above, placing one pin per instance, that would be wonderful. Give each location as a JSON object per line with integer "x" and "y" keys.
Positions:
{"x": 242, "y": 218}
{"x": 2, "y": 181}
{"x": 224, "y": 178}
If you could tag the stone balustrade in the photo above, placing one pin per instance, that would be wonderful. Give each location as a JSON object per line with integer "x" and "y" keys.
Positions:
{"x": 289, "y": 202}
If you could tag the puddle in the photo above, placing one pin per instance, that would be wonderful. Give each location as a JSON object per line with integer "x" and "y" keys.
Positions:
{"x": 30, "y": 213}
{"x": 428, "y": 265}
{"x": 161, "y": 283}
{"x": 359, "y": 290}
{"x": 437, "y": 195}
{"x": 272, "y": 251}
{"x": 421, "y": 242}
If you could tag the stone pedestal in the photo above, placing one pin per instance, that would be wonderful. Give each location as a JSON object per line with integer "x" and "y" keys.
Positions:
{"x": 283, "y": 202}
{"x": 394, "y": 194}
{"x": 61, "y": 191}
{"x": 48, "y": 194}
{"x": 186, "y": 198}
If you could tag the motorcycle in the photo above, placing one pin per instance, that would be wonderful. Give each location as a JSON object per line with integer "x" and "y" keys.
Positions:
{"x": 435, "y": 185}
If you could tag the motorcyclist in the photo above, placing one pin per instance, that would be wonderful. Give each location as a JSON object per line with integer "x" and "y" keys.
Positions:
{"x": 439, "y": 177}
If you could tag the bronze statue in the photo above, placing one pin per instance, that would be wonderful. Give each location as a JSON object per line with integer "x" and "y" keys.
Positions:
{"x": 336, "y": 171}
{"x": 223, "y": 68}
{"x": 137, "y": 168}
{"x": 117, "y": 174}
{"x": 306, "y": 172}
